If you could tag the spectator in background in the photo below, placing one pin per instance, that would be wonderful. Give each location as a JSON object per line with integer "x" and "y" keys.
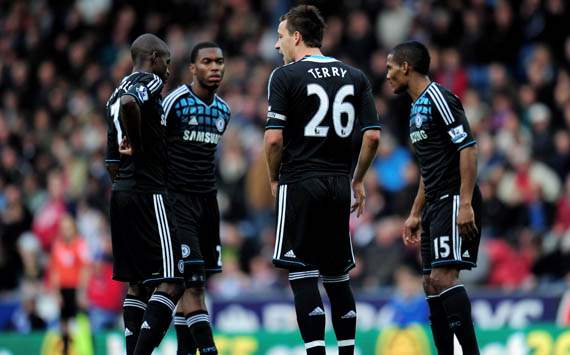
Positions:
{"x": 562, "y": 220}
{"x": 26, "y": 318}
{"x": 408, "y": 302}
{"x": 16, "y": 219}
{"x": 451, "y": 74}
{"x": 390, "y": 164}
{"x": 47, "y": 218}
{"x": 560, "y": 160}
{"x": 394, "y": 23}
{"x": 542, "y": 147}
{"x": 68, "y": 274}
{"x": 385, "y": 253}
{"x": 104, "y": 295}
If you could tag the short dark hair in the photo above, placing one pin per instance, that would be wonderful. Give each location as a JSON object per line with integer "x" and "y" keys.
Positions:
{"x": 201, "y": 45}
{"x": 413, "y": 52}
{"x": 307, "y": 20}
{"x": 145, "y": 45}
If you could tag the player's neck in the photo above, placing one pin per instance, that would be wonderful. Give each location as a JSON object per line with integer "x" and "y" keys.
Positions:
{"x": 417, "y": 86}
{"x": 205, "y": 94}
{"x": 305, "y": 51}
{"x": 141, "y": 68}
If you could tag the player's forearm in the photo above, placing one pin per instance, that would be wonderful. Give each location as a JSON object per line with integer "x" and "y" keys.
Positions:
{"x": 370, "y": 142}
{"x": 420, "y": 200}
{"x": 273, "y": 151}
{"x": 131, "y": 117}
{"x": 468, "y": 171}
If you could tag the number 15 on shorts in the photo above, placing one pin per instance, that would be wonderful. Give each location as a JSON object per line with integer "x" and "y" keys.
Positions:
{"x": 441, "y": 247}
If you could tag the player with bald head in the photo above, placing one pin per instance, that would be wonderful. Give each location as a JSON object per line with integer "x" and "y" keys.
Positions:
{"x": 146, "y": 252}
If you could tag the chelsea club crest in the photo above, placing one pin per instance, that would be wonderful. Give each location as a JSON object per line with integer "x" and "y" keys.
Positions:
{"x": 419, "y": 120}
{"x": 220, "y": 124}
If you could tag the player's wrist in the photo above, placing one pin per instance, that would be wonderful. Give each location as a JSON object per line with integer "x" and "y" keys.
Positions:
{"x": 466, "y": 203}
{"x": 414, "y": 214}
{"x": 357, "y": 180}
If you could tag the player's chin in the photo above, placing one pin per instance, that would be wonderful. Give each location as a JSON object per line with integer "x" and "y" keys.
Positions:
{"x": 213, "y": 84}
{"x": 400, "y": 89}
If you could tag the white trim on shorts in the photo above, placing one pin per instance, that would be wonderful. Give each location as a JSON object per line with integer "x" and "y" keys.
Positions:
{"x": 164, "y": 234}
{"x": 281, "y": 208}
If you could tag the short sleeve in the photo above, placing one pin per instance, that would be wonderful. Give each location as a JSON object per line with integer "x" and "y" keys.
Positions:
{"x": 450, "y": 111}
{"x": 367, "y": 115}
{"x": 145, "y": 88}
{"x": 277, "y": 100}
{"x": 112, "y": 155}
{"x": 170, "y": 103}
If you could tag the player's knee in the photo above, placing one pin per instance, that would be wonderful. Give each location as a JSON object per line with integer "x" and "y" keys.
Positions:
{"x": 174, "y": 290}
{"x": 139, "y": 291}
{"x": 195, "y": 293}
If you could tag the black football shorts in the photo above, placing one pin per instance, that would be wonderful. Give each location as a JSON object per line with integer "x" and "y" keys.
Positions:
{"x": 441, "y": 243}
{"x": 145, "y": 246}
{"x": 312, "y": 226}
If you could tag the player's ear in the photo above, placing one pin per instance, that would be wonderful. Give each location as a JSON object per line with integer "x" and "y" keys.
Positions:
{"x": 405, "y": 67}
{"x": 153, "y": 56}
{"x": 193, "y": 69}
{"x": 297, "y": 37}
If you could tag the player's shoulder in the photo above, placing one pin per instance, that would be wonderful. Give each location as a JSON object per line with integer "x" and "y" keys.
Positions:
{"x": 221, "y": 104}
{"x": 173, "y": 97}
{"x": 438, "y": 92}
{"x": 147, "y": 78}
{"x": 175, "y": 94}
{"x": 282, "y": 72}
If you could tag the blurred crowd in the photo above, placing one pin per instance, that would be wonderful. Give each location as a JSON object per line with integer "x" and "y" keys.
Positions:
{"x": 509, "y": 62}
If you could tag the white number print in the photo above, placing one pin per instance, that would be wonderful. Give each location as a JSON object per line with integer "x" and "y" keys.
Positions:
{"x": 312, "y": 129}
{"x": 441, "y": 247}
{"x": 115, "y": 108}
{"x": 219, "y": 250}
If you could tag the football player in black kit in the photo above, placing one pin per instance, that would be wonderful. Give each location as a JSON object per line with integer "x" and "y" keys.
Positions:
{"x": 196, "y": 119}
{"x": 146, "y": 252}
{"x": 315, "y": 105}
{"x": 446, "y": 214}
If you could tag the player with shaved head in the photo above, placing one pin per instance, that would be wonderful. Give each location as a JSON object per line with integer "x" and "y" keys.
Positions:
{"x": 146, "y": 251}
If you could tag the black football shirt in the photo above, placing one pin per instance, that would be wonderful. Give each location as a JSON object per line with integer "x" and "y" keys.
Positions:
{"x": 318, "y": 102}
{"x": 439, "y": 131}
{"x": 146, "y": 170}
{"x": 194, "y": 130}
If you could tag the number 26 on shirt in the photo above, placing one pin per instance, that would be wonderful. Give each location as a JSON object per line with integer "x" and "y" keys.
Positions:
{"x": 313, "y": 128}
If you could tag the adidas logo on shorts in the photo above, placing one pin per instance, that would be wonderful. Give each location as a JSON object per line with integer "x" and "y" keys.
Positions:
{"x": 128, "y": 332}
{"x": 318, "y": 311}
{"x": 350, "y": 314}
{"x": 466, "y": 254}
{"x": 290, "y": 254}
{"x": 145, "y": 325}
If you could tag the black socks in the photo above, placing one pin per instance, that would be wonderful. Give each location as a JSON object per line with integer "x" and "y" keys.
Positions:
{"x": 155, "y": 322}
{"x": 458, "y": 310}
{"x": 309, "y": 309}
{"x": 199, "y": 324}
{"x": 343, "y": 311}
{"x": 186, "y": 344}
{"x": 442, "y": 334}
{"x": 133, "y": 312}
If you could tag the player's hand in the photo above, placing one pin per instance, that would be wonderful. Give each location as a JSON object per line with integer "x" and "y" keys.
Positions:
{"x": 125, "y": 148}
{"x": 466, "y": 222}
{"x": 412, "y": 231}
{"x": 274, "y": 186}
{"x": 359, "y": 197}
